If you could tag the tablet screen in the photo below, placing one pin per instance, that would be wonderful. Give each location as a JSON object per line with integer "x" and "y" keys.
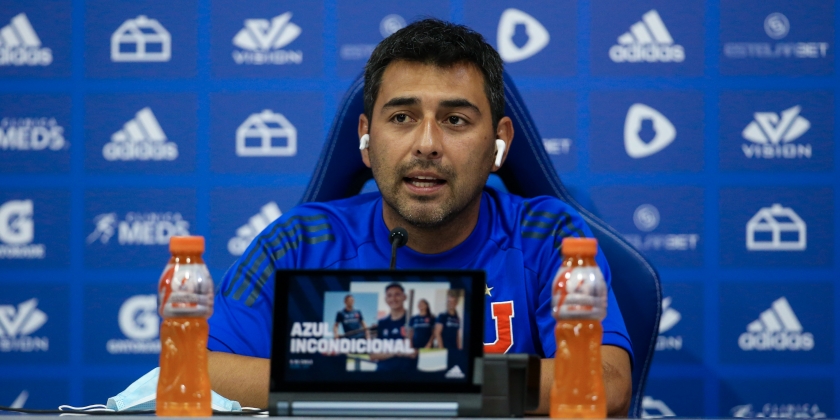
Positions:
{"x": 377, "y": 330}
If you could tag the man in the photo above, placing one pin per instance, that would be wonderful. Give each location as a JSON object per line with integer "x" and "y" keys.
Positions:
{"x": 391, "y": 327}
{"x": 448, "y": 324}
{"x": 433, "y": 129}
{"x": 351, "y": 321}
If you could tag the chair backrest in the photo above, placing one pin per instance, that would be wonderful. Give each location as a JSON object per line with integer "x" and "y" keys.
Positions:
{"x": 527, "y": 172}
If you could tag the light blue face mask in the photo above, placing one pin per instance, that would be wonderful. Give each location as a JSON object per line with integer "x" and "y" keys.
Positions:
{"x": 140, "y": 395}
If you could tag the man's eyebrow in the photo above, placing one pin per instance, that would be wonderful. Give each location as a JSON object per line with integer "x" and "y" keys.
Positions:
{"x": 401, "y": 101}
{"x": 459, "y": 103}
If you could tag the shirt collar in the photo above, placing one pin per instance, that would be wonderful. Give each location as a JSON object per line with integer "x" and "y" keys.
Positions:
{"x": 461, "y": 256}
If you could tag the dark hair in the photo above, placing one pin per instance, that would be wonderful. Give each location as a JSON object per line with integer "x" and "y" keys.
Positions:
{"x": 443, "y": 44}
{"x": 348, "y": 296}
{"x": 394, "y": 284}
{"x": 428, "y": 309}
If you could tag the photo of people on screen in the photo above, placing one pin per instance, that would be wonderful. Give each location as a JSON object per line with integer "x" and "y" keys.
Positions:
{"x": 421, "y": 326}
{"x": 351, "y": 320}
{"x": 393, "y": 326}
{"x": 448, "y": 332}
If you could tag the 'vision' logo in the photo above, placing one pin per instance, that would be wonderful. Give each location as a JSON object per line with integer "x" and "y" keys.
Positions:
{"x": 261, "y": 41}
{"x": 16, "y": 325}
{"x": 772, "y": 133}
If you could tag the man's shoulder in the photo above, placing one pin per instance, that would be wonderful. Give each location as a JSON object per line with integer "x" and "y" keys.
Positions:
{"x": 336, "y": 209}
{"x": 534, "y": 218}
{"x": 327, "y": 219}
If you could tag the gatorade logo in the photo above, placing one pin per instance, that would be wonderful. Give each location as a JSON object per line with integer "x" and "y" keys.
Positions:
{"x": 17, "y": 231}
{"x": 510, "y": 21}
{"x": 139, "y": 321}
{"x": 502, "y": 313}
{"x": 777, "y": 328}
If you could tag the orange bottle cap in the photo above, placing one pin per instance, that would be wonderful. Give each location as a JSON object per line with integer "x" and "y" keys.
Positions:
{"x": 186, "y": 244}
{"x": 580, "y": 246}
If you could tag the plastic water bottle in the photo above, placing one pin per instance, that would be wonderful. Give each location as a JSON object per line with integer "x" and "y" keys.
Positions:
{"x": 185, "y": 293}
{"x": 579, "y": 303}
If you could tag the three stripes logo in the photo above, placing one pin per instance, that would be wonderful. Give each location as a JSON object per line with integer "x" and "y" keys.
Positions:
{"x": 777, "y": 328}
{"x": 21, "y": 46}
{"x": 771, "y": 135}
{"x": 247, "y": 232}
{"x": 142, "y": 138}
{"x": 277, "y": 241}
{"x": 261, "y": 41}
{"x": 647, "y": 41}
{"x": 540, "y": 225}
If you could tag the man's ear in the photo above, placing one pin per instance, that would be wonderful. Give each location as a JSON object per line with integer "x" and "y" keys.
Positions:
{"x": 364, "y": 129}
{"x": 504, "y": 132}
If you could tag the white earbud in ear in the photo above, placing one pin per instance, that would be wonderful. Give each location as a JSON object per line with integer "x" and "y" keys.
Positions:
{"x": 364, "y": 141}
{"x": 500, "y": 151}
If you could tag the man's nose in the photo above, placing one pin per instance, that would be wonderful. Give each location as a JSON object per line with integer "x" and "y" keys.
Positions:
{"x": 429, "y": 140}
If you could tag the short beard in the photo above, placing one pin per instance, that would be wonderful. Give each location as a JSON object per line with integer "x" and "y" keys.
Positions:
{"x": 426, "y": 218}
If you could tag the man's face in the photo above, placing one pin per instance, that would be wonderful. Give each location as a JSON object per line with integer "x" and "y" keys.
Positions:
{"x": 349, "y": 301}
{"x": 395, "y": 298}
{"x": 451, "y": 303}
{"x": 432, "y": 140}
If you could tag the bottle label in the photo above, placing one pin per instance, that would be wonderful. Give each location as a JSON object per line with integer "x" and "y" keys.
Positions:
{"x": 580, "y": 293}
{"x": 188, "y": 293}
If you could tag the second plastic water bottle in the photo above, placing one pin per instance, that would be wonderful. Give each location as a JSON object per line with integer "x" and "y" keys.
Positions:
{"x": 579, "y": 303}
{"x": 185, "y": 293}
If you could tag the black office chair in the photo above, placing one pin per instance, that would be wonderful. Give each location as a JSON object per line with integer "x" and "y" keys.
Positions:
{"x": 527, "y": 172}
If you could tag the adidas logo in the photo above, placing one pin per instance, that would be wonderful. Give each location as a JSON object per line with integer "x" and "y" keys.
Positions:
{"x": 20, "y": 401}
{"x": 647, "y": 41}
{"x": 455, "y": 373}
{"x": 141, "y": 40}
{"x": 20, "y": 45}
{"x": 670, "y": 318}
{"x": 655, "y": 409}
{"x": 771, "y": 134}
{"x": 512, "y": 19}
{"x": 641, "y": 117}
{"x": 266, "y": 134}
{"x": 262, "y": 41}
{"x": 777, "y": 328}
{"x": 247, "y": 232}
{"x": 16, "y": 325}
{"x": 140, "y": 139}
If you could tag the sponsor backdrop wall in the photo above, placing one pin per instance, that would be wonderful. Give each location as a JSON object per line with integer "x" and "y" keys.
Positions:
{"x": 702, "y": 130}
